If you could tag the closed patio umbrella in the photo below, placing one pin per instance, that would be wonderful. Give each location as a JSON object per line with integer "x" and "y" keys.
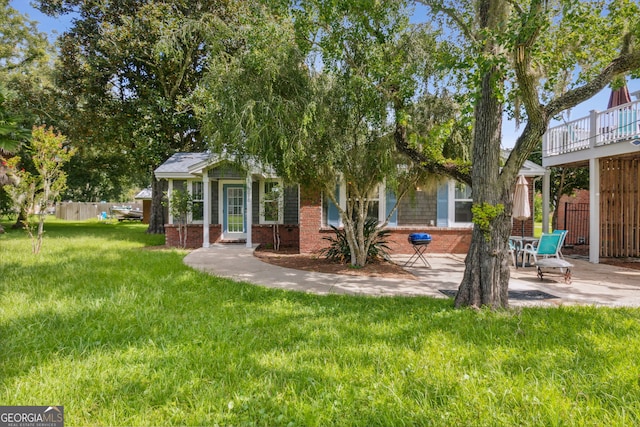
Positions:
{"x": 521, "y": 206}
{"x": 619, "y": 96}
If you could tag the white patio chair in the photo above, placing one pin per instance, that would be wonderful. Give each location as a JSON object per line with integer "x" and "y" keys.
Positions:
{"x": 512, "y": 252}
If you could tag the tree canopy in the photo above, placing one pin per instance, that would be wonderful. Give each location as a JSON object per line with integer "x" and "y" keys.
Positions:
{"x": 129, "y": 66}
{"x": 313, "y": 92}
{"x": 21, "y": 44}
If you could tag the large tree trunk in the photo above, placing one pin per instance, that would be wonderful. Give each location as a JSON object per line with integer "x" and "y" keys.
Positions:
{"x": 486, "y": 276}
{"x": 156, "y": 218}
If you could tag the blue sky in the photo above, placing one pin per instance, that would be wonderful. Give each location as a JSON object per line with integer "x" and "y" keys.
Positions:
{"x": 46, "y": 24}
{"x": 55, "y": 26}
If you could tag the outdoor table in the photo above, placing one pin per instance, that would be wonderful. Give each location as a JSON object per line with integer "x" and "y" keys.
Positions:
{"x": 520, "y": 242}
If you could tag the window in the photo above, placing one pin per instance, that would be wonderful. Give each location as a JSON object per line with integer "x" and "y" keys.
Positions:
{"x": 197, "y": 197}
{"x": 462, "y": 203}
{"x": 381, "y": 201}
{"x": 271, "y": 206}
{"x": 373, "y": 210}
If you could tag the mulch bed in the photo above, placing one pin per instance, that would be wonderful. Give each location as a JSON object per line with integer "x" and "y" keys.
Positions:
{"x": 289, "y": 258}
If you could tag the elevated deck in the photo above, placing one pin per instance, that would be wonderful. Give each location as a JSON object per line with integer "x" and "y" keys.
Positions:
{"x": 613, "y": 132}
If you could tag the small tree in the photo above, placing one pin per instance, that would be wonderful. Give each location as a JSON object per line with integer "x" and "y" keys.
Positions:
{"x": 180, "y": 206}
{"x": 34, "y": 193}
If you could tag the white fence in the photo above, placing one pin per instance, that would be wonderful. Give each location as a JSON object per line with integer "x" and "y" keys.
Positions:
{"x": 80, "y": 211}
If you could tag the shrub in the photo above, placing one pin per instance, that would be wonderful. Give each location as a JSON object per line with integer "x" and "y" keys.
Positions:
{"x": 339, "y": 250}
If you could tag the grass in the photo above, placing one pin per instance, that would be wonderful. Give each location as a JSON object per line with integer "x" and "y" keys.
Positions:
{"x": 121, "y": 335}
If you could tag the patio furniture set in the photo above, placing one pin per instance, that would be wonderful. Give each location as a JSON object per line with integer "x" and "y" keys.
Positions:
{"x": 546, "y": 252}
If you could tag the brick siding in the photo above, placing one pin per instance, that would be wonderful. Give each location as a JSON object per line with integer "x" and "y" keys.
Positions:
{"x": 261, "y": 234}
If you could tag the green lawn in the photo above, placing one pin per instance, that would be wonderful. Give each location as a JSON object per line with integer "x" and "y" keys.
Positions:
{"x": 121, "y": 335}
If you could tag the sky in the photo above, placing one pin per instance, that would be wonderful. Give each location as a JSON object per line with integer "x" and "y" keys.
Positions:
{"x": 55, "y": 26}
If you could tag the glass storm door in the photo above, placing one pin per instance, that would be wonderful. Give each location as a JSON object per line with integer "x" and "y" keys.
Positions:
{"x": 234, "y": 211}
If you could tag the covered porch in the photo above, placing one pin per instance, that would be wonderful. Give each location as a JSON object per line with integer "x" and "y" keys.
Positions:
{"x": 608, "y": 142}
{"x": 230, "y": 202}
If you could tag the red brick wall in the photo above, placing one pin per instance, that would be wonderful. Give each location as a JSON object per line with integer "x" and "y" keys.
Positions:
{"x": 263, "y": 234}
{"x": 580, "y": 196}
{"x": 194, "y": 235}
{"x": 289, "y": 235}
{"x": 443, "y": 240}
{"x": 517, "y": 227}
{"x": 310, "y": 221}
{"x": 528, "y": 223}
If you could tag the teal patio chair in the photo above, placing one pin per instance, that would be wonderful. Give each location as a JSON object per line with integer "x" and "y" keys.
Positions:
{"x": 563, "y": 233}
{"x": 547, "y": 247}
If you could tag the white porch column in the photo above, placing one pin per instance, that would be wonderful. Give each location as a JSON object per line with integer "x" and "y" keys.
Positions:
{"x": 169, "y": 193}
{"x": 594, "y": 211}
{"x": 546, "y": 192}
{"x": 249, "y": 208}
{"x": 206, "y": 207}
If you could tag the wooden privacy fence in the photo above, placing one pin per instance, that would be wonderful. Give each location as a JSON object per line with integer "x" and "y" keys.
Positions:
{"x": 80, "y": 211}
{"x": 620, "y": 207}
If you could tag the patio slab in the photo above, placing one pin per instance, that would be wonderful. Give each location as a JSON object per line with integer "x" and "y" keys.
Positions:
{"x": 593, "y": 284}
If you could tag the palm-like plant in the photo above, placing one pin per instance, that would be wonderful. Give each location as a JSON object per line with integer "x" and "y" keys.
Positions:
{"x": 339, "y": 250}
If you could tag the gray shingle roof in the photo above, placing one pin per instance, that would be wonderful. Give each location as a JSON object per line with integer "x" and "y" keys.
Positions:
{"x": 180, "y": 162}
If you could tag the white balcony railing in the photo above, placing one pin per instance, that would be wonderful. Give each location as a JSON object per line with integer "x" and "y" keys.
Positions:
{"x": 599, "y": 128}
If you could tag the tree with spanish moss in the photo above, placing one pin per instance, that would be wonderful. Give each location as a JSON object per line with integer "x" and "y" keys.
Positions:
{"x": 533, "y": 59}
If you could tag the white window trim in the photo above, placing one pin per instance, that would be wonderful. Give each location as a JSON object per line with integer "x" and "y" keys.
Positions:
{"x": 190, "y": 189}
{"x": 382, "y": 203}
{"x": 280, "y": 202}
{"x": 452, "y": 206}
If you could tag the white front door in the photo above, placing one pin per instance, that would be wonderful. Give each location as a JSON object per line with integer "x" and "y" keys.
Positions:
{"x": 234, "y": 212}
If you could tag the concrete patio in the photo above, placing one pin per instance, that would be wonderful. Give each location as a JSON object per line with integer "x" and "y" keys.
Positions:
{"x": 592, "y": 284}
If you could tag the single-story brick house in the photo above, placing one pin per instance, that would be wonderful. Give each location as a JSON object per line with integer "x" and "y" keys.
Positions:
{"x": 229, "y": 201}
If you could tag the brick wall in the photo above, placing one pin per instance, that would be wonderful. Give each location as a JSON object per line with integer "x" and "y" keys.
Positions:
{"x": 580, "y": 196}
{"x": 194, "y": 235}
{"x": 289, "y": 235}
{"x": 310, "y": 221}
{"x": 263, "y": 234}
{"x": 527, "y": 223}
{"x": 444, "y": 240}
{"x": 578, "y": 225}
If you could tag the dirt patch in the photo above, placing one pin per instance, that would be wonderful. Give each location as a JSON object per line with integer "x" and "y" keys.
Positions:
{"x": 310, "y": 262}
